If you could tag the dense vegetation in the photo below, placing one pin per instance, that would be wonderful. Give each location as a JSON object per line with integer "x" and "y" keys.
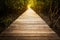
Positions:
{"x": 10, "y": 10}
{"x": 50, "y": 9}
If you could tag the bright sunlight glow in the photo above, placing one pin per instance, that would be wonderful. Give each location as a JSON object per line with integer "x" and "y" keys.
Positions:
{"x": 29, "y": 6}
{"x": 30, "y": 3}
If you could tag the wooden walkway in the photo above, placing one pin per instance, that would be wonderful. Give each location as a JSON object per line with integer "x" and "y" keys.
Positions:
{"x": 29, "y": 26}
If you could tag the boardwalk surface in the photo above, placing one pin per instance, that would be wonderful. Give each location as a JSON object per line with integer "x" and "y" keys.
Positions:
{"x": 29, "y": 26}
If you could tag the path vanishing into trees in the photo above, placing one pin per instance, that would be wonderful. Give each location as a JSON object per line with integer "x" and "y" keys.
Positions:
{"x": 29, "y": 26}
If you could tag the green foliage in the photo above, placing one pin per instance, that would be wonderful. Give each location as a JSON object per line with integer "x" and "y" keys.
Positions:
{"x": 6, "y": 22}
{"x": 17, "y": 4}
